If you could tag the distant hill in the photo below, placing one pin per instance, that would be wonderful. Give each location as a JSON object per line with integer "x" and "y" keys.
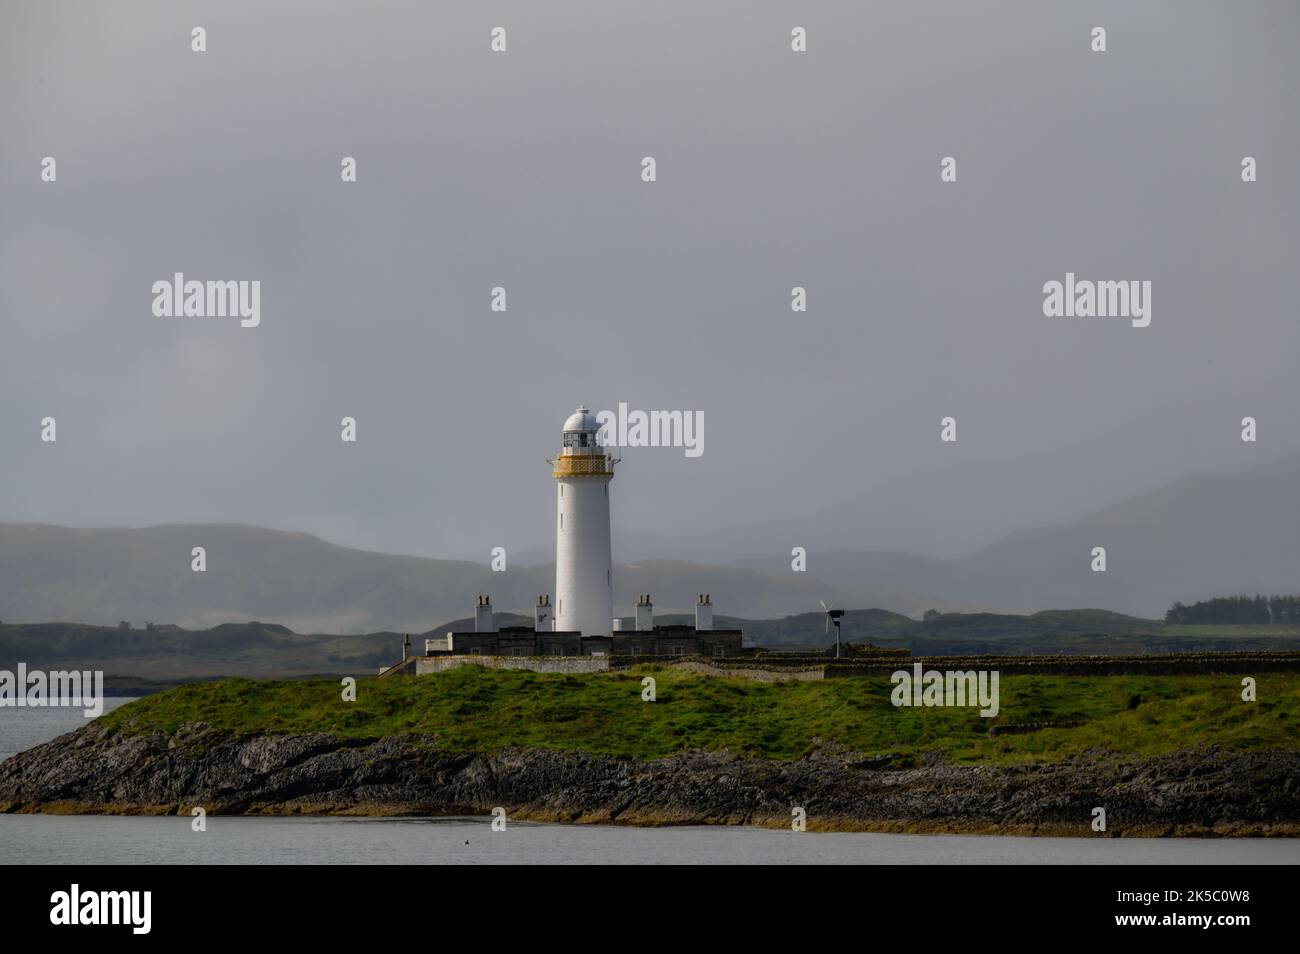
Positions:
{"x": 269, "y": 650}
{"x": 1196, "y": 537}
{"x": 138, "y": 575}
{"x": 103, "y": 576}
{"x": 169, "y": 653}
{"x": 1190, "y": 539}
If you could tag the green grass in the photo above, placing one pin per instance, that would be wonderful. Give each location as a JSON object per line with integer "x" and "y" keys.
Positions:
{"x": 473, "y": 708}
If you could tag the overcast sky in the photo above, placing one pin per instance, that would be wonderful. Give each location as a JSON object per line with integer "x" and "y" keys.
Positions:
{"x": 522, "y": 169}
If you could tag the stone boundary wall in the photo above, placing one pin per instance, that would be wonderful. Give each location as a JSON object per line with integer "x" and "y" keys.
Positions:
{"x": 1164, "y": 664}
{"x": 769, "y": 669}
{"x": 425, "y": 665}
{"x": 805, "y": 669}
{"x": 1025, "y": 728}
{"x": 785, "y": 674}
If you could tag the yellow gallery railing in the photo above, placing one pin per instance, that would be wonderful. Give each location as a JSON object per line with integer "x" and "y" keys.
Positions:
{"x": 582, "y": 465}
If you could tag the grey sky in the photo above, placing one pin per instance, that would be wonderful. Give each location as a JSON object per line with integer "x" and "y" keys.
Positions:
{"x": 522, "y": 170}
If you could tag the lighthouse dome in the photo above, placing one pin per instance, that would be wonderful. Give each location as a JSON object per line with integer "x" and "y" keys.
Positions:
{"x": 582, "y": 420}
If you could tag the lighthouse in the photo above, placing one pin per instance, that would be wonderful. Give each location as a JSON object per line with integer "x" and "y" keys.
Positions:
{"x": 584, "y": 584}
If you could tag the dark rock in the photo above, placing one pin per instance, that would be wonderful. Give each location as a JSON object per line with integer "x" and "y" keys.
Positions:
{"x": 1187, "y": 792}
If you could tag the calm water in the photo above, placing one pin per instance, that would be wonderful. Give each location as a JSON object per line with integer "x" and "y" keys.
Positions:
{"x": 238, "y": 840}
{"x": 22, "y": 728}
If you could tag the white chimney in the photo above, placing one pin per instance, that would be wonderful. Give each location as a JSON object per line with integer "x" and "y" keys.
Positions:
{"x": 704, "y": 613}
{"x": 645, "y": 614}
{"x": 542, "y": 615}
{"x": 483, "y": 616}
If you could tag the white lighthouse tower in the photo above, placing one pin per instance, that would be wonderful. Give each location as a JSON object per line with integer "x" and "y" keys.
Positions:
{"x": 584, "y": 584}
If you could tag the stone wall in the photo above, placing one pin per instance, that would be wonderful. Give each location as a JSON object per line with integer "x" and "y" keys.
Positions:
{"x": 749, "y": 672}
{"x": 424, "y": 665}
{"x": 676, "y": 641}
{"x": 777, "y": 669}
{"x": 1162, "y": 664}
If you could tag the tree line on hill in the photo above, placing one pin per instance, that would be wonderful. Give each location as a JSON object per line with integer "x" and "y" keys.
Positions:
{"x": 1238, "y": 609}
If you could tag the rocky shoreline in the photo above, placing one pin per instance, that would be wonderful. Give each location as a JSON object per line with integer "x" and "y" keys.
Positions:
{"x": 96, "y": 770}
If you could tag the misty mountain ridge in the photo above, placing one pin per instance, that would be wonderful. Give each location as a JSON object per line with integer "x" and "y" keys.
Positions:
{"x": 953, "y": 509}
{"x": 1189, "y": 539}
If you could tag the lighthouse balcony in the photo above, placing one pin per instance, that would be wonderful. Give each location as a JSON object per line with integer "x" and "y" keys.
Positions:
{"x": 583, "y": 465}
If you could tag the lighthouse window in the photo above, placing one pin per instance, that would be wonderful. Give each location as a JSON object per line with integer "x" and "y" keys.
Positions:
{"x": 561, "y": 521}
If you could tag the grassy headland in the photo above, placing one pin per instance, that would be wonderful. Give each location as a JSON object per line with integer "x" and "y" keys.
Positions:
{"x": 472, "y": 708}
